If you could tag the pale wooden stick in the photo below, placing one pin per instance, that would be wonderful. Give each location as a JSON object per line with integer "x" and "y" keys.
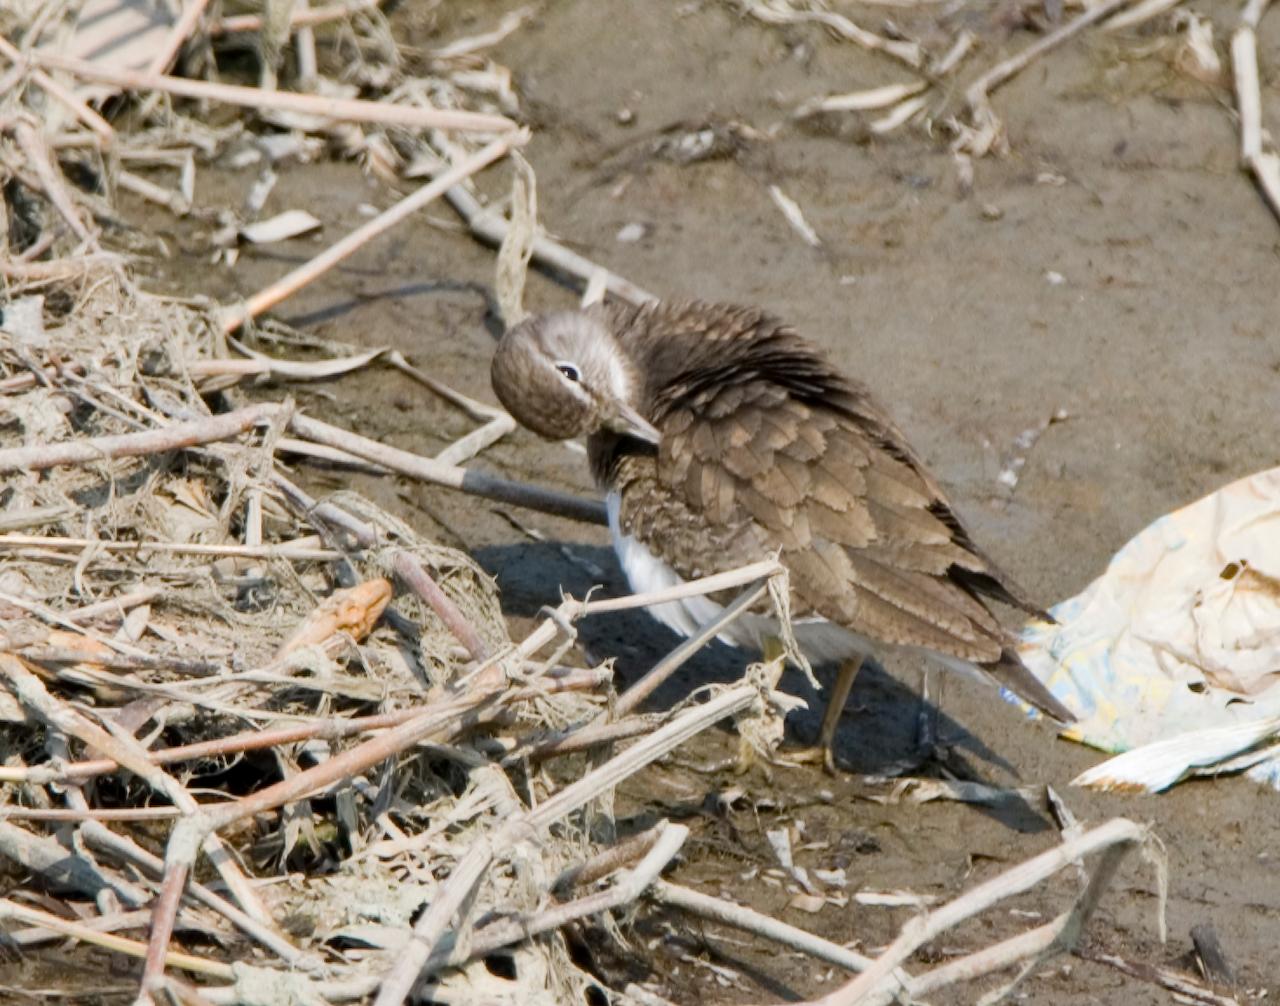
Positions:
{"x": 467, "y": 447}
{"x": 332, "y": 455}
{"x": 101, "y": 837}
{"x": 326, "y": 260}
{"x": 169, "y": 438}
{"x": 433, "y": 923}
{"x": 174, "y": 202}
{"x": 12, "y": 910}
{"x": 978, "y": 94}
{"x": 310, "y": 17}
{"x": 178, "y": 35}
{"x": 126, "y": 751}
{"x": 628, "y": 888}
{"x": 491, "y": 228}
{"x": 579, "y": 738}
{"x": 1264, "y": 165}
{"x": 38, "y": 158}
{"x": 341, "y": 109}
{"x": 115, "y": 606}
{"x": 59, "y": 270}
{"x": 478, "y": 411}
{"x": 751, "y": 921}
{"x": 410, "y": 570}
{"x": 60, "y": 94}
{"x": 604, "y": 863}
{"x": 1139, "y": 13}
{"x": 659, "y": 673}
{"x": 1035, "y": 947}
{"x": 872, "y": 985}
{"x": 300, "y": 550}
{"x": 452, "y": 476}
{"x": 35, "y": 935}
{"x": 761, "y": 570}
{"x": 1184, "y": 987}
{"x": 62, "y": 869}
{"x": 255, "y": 740}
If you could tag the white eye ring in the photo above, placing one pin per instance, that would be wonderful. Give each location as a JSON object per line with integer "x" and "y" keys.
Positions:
{"x": 569, "y": 370}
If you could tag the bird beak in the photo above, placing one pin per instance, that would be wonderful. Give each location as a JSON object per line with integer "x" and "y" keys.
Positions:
{"x": 628, "y": 421}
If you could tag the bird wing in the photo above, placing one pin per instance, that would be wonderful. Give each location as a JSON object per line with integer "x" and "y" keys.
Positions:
{"x": 856, "y": 526}
{"x": 766, "y": 447}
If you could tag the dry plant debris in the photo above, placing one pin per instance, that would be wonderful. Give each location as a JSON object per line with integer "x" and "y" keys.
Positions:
{"x": 235, "y": 716}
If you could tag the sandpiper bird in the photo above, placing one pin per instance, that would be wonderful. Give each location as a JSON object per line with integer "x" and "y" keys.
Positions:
{"x": 721, "y": 437}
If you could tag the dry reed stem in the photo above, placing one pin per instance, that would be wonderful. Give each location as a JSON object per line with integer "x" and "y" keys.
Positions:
{"x": 479, "y": 411}
{"x": 489, "y": 227}
{"x": 174, "y": 202}
{"x": 1034, "y": 947}
{"x": 1264, "y": 165}
{"x": 101, "y": 837}
{"x": 296, "y": 370}
{"x": 505, "y": 932}
{"x": 306, "y": 18}
{"x": 669, "y": 664}
{"x": 251, "y": 740}
{"x": 877, "y": 984}
{"x": 331, "y": 256}
{"x": 12, "y": 911}
{"x": 340, "y": 109}
{"x": 58, "y": 93}
{"x": 431, "y": 927}
{"x": 978, "y": 94}
{"x": 757, "y": 923}
{"x": 192, "y": 11}
{"x": 1138, "y": 14}
{"x": 126, "y": 751}
{"x": 115, "y": 606}
{"x": 51, "y": 180}
{"x": 125, "y": 445}
{"x": 410, "y": 570}
{"x": 467, "y": 447}
{"x": 580, "y": 738}
{"x": 451, "y": 476}
{"x": 599, "y": 866}
{"x": 1185, "y": 989}
{"x": 781, "y": 12}
{"x": 36, "y": 935}
{"x": 49, "y": 858}
{"x": 300, "y": 550}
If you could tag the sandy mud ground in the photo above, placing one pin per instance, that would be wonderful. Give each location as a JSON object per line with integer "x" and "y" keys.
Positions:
{"x": 1116, "y": 265}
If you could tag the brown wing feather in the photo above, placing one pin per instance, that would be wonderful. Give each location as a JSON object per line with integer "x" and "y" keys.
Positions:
{"x": 764, "y": 442}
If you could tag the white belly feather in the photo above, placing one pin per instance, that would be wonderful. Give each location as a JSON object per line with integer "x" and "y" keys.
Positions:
{"x": 821, "y": 641}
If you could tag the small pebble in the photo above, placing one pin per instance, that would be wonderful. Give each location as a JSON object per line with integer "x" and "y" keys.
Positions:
{"x": 631, "y": 233}
{"x": 990, "y": 211}
{"x": 625, "y": 117}
{"x": 1055, "y": 278}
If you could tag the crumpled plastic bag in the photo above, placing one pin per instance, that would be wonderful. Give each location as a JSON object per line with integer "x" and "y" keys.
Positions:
{"x": 1173, "y": 654}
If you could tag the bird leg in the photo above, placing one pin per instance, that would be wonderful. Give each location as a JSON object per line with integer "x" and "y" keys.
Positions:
{"x": 824, "y": 749}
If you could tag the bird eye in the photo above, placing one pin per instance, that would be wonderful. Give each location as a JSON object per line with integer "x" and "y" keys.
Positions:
{"x": 569, "y": 371}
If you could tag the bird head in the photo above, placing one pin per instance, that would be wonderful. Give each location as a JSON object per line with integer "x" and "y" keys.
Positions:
{"x": 564, "y": 375}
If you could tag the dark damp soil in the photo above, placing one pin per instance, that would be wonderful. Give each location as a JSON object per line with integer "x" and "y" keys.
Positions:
{"x": 1116, "y": 265}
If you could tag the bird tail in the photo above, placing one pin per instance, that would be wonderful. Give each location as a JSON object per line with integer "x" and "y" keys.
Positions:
{"x": 1013, "y": 674}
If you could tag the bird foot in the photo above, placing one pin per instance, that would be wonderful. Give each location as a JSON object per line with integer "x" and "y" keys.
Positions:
{"x": 813, "y": 754}
{"x": 935, "y": 756}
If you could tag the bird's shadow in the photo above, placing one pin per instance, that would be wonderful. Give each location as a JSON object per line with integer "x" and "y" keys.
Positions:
{"x": 878, "y": 733}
